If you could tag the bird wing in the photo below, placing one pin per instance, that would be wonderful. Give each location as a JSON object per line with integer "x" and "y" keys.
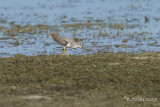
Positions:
{"x": 63, "y": 40}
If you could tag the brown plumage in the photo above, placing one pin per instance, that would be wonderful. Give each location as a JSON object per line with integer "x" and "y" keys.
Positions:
{"x": 60, "y": 39}
{"x": 67, "y": 42}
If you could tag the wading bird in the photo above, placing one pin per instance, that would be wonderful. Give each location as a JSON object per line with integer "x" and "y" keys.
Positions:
{"x": 66, "y": 42}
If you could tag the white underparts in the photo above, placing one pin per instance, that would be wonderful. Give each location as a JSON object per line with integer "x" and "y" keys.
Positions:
{"x": 68, "y": 45}
{"x": 73, "y": 45}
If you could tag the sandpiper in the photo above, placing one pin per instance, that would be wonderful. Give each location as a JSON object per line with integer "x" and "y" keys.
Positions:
{"x": 66, "y": 42}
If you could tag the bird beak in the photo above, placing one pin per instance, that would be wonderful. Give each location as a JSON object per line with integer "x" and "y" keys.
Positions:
{"x": 83, "y": 49}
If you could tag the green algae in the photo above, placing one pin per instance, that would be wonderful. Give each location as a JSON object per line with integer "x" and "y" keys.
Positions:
{"x": 89, "y": 80}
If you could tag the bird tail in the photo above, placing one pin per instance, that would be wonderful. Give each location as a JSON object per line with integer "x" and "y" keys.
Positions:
{"x": 52, "y": 35}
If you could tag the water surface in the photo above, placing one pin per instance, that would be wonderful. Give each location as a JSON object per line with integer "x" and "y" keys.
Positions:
{"x": 116, "y": 26}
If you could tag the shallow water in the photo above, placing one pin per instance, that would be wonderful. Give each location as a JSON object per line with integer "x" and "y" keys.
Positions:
{"x": 137, "y": 35}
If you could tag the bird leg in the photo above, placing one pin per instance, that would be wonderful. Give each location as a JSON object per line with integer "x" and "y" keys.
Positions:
{"x": 64, "y": 50}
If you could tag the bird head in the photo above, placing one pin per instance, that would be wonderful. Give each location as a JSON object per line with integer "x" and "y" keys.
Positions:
{"x": 80, "y": 44}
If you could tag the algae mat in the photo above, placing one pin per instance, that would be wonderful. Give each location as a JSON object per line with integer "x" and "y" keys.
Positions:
{"x": 96, "y": 80}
